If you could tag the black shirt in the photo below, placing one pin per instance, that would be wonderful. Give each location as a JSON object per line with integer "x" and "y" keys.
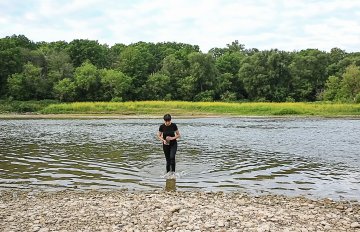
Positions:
{"x": 168, "y": 131}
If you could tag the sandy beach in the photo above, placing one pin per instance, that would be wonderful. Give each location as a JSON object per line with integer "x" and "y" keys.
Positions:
{"x": 171, "y": 211}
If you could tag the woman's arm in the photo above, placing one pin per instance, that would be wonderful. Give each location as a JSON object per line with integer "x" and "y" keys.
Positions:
{"x": 177, "y": 135}
{"x": 160, "y": 137}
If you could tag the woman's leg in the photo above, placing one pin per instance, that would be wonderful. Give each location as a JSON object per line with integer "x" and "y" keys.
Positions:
{"x": 166, "y": 149}
{"x": 172, "y": 156}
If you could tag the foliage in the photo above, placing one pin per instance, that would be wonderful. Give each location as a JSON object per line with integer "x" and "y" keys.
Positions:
{"x": 346, "y": 88}
{"x": 65, "y": 90}
{"x": 85, "y": 70}
{"x": 87, "y": 82}
{"x": 115, "y": 84}
{"x": 179, "y": 108}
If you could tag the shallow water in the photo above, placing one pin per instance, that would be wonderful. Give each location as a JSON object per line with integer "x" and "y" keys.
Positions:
{"x": 292, "y": 156}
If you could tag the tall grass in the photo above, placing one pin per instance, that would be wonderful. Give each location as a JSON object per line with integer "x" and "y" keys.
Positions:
{"x": 204, "y": 108}
{"x": 12, "y": 106}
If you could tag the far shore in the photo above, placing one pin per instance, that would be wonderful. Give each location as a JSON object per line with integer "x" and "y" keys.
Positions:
{"x": 146, "y": 116}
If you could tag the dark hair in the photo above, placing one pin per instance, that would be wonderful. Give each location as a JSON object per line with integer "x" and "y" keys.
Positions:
{"x": 167, "y": 117}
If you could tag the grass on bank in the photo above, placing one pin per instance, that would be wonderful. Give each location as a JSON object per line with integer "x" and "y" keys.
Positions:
{"x": 202, "y": 108}
{"x": 183, "y": 108}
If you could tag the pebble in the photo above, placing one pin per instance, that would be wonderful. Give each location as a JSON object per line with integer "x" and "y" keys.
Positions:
{"x": 355, "y": 225}
{"x": 171, "y": 211}
{"x": 175, "y": 208}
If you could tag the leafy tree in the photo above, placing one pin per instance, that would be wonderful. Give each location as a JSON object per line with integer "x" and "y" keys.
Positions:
{"x": 332, "y": 87}
{"x": 87, "y": 82}
{"x": 158, "y": 87}
{"x": 217, "y": 52}
{"x": 59, "y": 65}
{"x": 82, "y": 50}
{"x": 266, "y": 75}
{"x": 65, "y": 90}
{"x": 202, "y": 68}
{"x": 346, "y": 88}
{"x": 228, "y": 96}
{"x": 350, "y": 84}
{"x": 187, "y": 88}
{"x": 135, "y": 63}
{"x": 334, "y": 68}
{"x": 173, "y": 67}
{"x": 229, "y": 63}
{"x": 114, "y": 54}
{"x": 205, "y": 96}
{"x": 115, "y": 84}
{"x": 235, "y": 47}
{"x": 13, "y": 56}
{"x": 29, "y": 84}
{"x": 228, "y": 88}
{"x": 309, "y": 73}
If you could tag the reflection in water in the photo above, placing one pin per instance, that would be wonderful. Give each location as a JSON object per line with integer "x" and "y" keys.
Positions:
{"x": 170, "y": 185}
{"x": 313, "y": 157}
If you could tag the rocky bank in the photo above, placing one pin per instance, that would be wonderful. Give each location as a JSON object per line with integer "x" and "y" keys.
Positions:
{"x": 171, "y": 211}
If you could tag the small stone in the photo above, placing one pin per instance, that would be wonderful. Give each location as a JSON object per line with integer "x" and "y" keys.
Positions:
{"x": 209, "y": 225}
{"x": 355, "y": 225}
{"x": 175, "y": 208}
{"x": 263, "y": 228}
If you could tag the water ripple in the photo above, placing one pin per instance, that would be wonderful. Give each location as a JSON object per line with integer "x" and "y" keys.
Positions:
{"x": 312, "y": 157}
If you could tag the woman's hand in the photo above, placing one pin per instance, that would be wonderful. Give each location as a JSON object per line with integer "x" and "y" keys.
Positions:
{"x": 169, "y": 138}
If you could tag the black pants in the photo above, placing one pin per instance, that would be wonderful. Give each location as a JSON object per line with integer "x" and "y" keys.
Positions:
{"x": 170, "y": 152}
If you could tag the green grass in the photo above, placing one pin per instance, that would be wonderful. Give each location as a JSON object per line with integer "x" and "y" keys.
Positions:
{"x": 24, "y": 106}
{"x": 182, "y": 108}
{"x": 204, "y": 108}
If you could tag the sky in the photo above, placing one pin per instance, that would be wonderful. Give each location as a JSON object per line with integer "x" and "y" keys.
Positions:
{"x": 289, "y": 25}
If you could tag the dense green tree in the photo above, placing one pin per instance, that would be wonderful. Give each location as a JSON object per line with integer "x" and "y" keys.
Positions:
{"x": 65, "y": 90}
{"x": 29, "y": 84}
{"x": 140, "y": 71}
{"x": 14, "y": 54}
{"x": 115, "y": 84}
{"x": 266, "y": 75}
{"x": 332, "y": 87}
{"x": 87, "y": 82}
{"x": 187, "y": 88}
{"x": 114, "y": 55}
{"x": 173, "y": 67}
{"x": 309, "y": 73}
{"x": 135, "y": 63}
{"x": 335, "y": 68}
{"x": 81, "y": 50}
{"x": 158, "y": 87}
{"x": 205, "y": 96}
{"x": 59, "y": 65}
{"x": 350, "y": 84}
{"x": 346, "y": 88}
{"x": 202, "y": 68}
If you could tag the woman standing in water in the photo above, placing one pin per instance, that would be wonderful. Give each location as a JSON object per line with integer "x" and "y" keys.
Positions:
{"x": 168, "y": 133}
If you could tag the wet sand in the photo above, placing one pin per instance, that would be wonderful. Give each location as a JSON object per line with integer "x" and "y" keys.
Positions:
{"x": 73, "y": 210}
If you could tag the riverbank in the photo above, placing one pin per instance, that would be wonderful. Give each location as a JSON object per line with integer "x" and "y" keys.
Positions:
{"x": 181, "y": 109}
{"x": 171, "y": 211}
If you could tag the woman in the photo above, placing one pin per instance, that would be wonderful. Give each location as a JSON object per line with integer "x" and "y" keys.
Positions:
{"x": 168, "y": 133}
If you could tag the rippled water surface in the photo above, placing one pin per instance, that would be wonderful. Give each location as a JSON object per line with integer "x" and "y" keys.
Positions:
{"x": 292, "y": 156}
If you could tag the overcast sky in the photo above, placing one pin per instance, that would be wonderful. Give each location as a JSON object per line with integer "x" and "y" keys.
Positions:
{"x": 264, "y": 24}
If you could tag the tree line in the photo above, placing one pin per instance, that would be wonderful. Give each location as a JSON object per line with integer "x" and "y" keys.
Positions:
{"x": 85, "y": 70}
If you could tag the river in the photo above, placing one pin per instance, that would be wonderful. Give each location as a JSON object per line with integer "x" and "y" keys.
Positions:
{"x": 313, "y": 157}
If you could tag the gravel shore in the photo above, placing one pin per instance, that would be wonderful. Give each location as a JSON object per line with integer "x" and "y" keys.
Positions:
{"x": 171, "y": 211}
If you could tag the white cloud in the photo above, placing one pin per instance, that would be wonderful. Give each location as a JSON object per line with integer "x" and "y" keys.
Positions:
{"x": 283, "y": 24}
